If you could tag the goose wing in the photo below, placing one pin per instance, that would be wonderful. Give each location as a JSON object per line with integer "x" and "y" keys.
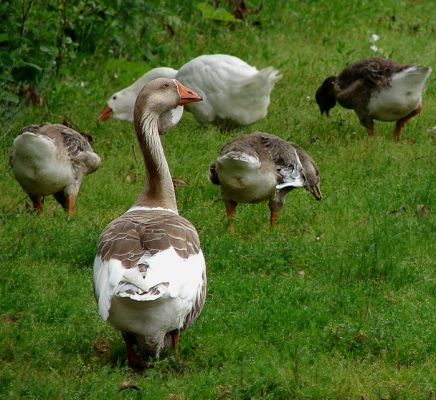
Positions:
{"x": 289, "y": 168}
{"x": 374, "y": 72}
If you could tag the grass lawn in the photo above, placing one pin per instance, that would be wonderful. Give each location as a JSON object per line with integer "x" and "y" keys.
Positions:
{"x": 337, "y": 302}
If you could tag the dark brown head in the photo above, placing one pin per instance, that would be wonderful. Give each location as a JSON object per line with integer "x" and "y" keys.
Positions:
{"x": 325, "y": 95}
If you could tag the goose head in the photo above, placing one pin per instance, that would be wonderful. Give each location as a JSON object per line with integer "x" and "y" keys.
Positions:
{"x": 161, "y": 97}
{"x": 311, "y": 174}
{"x": 325, "y": 95}
{"x": 120, "y": 105}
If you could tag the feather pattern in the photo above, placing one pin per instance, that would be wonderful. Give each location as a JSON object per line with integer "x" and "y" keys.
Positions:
{"x": 261, "y": 166}
{"x": 375, "y": 72}
{"x": 52, "y": 159}
{"x": 146, "y": 231}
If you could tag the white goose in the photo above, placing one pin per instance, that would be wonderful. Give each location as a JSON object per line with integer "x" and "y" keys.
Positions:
{"x": 233, "y": 92}
{"x": 52, "y": 159}
{"x": 259, "y": 167}
{"x": 149, "y": 271}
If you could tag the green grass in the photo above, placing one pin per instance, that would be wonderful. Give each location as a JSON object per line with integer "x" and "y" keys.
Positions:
{"x": 337, "y": 302}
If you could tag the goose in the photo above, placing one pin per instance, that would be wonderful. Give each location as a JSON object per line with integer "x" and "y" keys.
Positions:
{"x": 52, "y": 159}
{"x": 259, "y": 167}
{"x": 149, "y": 270}
{"x": 233, "y": 92}
{"x": 376, "y": 89}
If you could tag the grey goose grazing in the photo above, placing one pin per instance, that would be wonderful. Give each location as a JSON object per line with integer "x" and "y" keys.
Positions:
{"x": 149, "y": 271}
{"x": 52, "y": 159}
{"x": 260, "y": 167}
{"x": 376, "y": 89}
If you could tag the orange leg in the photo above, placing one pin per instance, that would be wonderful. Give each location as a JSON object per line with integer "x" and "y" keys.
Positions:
{"x": 273, "y": 217}
{"x": 37, "y": 202}
{"x": 370, "y": 130}
{"x": 401, "y": 122}
{"x": 230, "y": 211}
{"x": 71, "y": 203}
{"x": 134, "y": 361}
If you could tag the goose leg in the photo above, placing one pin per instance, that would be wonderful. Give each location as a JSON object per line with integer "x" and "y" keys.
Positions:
{"x": 61, "y": 198}
{"x": 38, "y": 202}
{"x": 368, "y": 123}
{"x": 71, "y": 204}
{"x": 68, "y": 201}
{"x": 401, "y": 122}
{"x": 134, "y": 361}
{"x": 175, "y": 341}
{"x": 275, "y": 204}
{"x": 230, "y": 211}
{"x": 273, "y": 217}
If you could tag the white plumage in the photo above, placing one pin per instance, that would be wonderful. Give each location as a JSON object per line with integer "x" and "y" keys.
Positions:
{"x": 402, "y": 96}
{"x": 38, "y": 166}
{"x": 169, "y": 287}
{"x": 233, "y": 92}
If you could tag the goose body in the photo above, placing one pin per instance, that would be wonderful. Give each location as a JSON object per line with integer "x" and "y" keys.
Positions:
{"x": 260, "y": 167}
{"x": 52, "y": 159}
{"x": 149, "y": 271}
{"x": 233, "y": 92}
{"x": 150, "y": 275}
{"x": 376, "y": 89}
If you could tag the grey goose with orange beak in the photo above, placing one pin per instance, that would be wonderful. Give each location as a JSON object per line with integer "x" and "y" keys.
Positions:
{"x": 149, "y": 271}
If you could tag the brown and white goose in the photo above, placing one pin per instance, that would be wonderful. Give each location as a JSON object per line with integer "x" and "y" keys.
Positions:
{"x": 260, "y": 167}
{"x": 52, "y": 159}
{"x": 149, "y": 271}
{"x": 376, "y": 88}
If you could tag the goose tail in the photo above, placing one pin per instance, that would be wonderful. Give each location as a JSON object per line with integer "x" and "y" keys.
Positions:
{"x": 262, "y": 83}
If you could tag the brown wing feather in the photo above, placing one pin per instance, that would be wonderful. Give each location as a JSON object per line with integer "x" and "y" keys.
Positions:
{"x": 281, "y": 151}
{"x": 141, "y": 232}
{"x": 375, "y": 72}
{"x": 73, "y": 142}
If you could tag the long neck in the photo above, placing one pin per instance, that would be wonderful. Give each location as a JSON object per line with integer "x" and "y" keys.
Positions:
{"x": 158, "y": 190}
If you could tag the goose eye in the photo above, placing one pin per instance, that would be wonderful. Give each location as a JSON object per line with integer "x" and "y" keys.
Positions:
{"x": 166, "y": 85}
{"x": 114, "y": 97}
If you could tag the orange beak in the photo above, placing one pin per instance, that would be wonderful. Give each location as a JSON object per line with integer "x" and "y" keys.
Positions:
{"x": 105, "y": 114}
{"x": 187, "y": 95}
